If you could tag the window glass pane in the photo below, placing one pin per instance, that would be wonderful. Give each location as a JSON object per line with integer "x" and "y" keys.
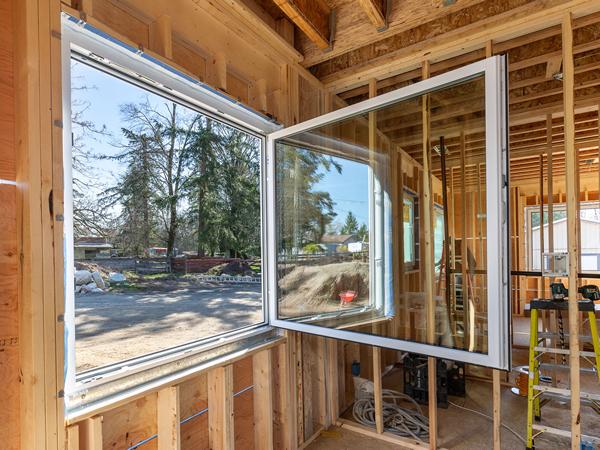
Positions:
{"x": 166, "y": 222}
{"x": 320, "y": 282}
{"x": 589, "y": 229}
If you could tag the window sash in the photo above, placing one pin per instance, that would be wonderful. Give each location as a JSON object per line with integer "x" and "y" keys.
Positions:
{"x": 494, "y": 70}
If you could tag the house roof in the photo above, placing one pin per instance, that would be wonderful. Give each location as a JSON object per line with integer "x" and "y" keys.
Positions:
{"x": 336, "y": 238}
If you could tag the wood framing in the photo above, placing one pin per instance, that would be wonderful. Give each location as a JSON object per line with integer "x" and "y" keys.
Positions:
{"x": 220, "y": 404}
{"x": 572, "y": 184}
{"x": 168, "y": 419}
{"x": 375, "y": 10}
{"x": 263, "y": 400}
{"x": 312, "y": 17}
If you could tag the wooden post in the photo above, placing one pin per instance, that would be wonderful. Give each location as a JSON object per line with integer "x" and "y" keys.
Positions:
{"x": 263, "y": 400}
{"x": 571, "y": 182}
{"x": 168, "y": 421}
{"x": 428, "y": 267}
{"x": 220, "y": 407}
{"x": 91, "y": 434}
{"x": 38, "y": 143}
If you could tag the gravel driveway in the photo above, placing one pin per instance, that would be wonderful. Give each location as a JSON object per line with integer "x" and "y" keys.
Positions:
{"x": 112, "y": 327}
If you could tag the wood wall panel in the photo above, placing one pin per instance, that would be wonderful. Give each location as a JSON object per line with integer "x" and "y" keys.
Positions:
{"x": 9, "y": 319}
{"x": 129, "y": 424}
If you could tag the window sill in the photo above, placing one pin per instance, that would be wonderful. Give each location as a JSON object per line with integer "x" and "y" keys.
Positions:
{"x": 124, "y": 384}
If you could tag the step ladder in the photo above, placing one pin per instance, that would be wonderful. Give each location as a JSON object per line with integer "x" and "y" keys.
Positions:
{"x": 538, "y": 394}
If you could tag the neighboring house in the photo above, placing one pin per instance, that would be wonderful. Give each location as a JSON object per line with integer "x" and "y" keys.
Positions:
{"x": 92, "y": 247}
{"x": 590, "y": 242}
{"x": 338, "y": 242}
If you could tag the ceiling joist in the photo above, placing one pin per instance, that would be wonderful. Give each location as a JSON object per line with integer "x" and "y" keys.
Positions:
{"x": 313, "y": 17}
{"x": 376, "y": 12}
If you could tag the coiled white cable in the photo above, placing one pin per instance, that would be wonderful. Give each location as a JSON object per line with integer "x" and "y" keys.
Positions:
{"x": 402, "y": 421}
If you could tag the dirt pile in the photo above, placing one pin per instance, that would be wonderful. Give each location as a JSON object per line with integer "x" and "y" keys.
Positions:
{"x": 232, "y": 268}
{"x": 319, "y": 286}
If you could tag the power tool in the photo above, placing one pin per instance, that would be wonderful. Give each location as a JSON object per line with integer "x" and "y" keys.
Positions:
{"x": 559, "y": 291}
{"x": 590, "y": 292}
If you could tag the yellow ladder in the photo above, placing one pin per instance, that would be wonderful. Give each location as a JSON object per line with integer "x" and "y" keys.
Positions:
{"x": 535, "y": 390}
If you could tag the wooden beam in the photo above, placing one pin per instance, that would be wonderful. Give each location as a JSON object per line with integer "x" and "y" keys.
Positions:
{"x": 572, "y": 219}
{"x": 220, "y": 406}
{"x": 263, "y": 400}
{"x": 351, "y": 72}
{"x": 311, "y": 16}
{"x": 375, "y": 10}
{"x": 167, "y": 419}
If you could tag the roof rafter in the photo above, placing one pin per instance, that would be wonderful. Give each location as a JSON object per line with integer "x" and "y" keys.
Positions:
{"x": 312, "y": 17}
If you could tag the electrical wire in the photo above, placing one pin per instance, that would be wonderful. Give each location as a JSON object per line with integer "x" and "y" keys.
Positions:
{"x": 489, "y": 418}
{"x": 399, "y": 420}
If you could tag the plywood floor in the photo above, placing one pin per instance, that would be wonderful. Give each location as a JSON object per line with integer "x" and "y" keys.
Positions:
{"x": 463, "y": 430}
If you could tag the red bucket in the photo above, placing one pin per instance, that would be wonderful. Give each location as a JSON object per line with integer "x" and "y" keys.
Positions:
{"x": 347, "y": 297}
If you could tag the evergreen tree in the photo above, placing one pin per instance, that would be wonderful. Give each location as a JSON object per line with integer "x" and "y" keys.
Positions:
{"x": 304, "y": 213}
{"x": 350, "y": 225}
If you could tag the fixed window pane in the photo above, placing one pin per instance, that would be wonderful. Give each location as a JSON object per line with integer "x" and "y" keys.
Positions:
{"x": 166, "y": 236}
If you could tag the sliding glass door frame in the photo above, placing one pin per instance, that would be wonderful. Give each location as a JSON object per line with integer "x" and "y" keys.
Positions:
{"x": 498, "y": 314}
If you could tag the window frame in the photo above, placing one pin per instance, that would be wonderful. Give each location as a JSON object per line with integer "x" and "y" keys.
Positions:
{"x": 494, "y": 71}
{"x": 413, "y": 197}
{"x": 84, "y": 391}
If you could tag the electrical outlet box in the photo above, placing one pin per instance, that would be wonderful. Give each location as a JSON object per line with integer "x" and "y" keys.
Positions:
{"x": 555, "y": 264}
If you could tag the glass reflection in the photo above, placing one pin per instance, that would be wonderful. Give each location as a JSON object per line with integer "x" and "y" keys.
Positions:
{"x": 354, "y": 248}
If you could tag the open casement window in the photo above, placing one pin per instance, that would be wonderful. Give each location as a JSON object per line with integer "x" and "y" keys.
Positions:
{"x": 352, "y": 214}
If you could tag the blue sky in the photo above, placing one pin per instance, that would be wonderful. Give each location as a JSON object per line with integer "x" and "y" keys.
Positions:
{"x": 106, "y": 94}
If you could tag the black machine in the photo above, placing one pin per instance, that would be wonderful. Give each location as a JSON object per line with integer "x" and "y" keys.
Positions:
{"x": 450, "y": 379}
{"x": 588, "y": 292}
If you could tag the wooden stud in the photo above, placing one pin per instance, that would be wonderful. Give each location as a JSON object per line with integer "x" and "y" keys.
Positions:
{"x": 428, "y": 261}
{"x": 91, "y": 434}
{"x": 168, "y": 421}
{"x": 333, "y": 381}
{"x": 73, "y": 437}
{"x": 217, "y": 71}
{"x": 287, "y": 400}
{"x": 572, "y": 229}
{"x": 220, "y": 406}
{"x": 497, "y": 402}
{"x": 263, "y": 400}
{"x": 161, "y": 36}
{"x": 377, "y": 388}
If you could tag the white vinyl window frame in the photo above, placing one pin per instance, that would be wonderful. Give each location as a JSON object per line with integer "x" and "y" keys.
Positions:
{"x": 494, "y": 71}
{"x": 104, "y": 384}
